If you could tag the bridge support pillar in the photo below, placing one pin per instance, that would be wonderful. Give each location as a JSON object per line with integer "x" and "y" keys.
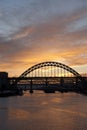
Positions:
{"x": 76, "y": 81}
{"x": 31, "y": 90}
{"x": 46, "y": 83}
{"x": 61, "y": 82}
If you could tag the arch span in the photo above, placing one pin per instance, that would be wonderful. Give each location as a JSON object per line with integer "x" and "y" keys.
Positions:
{"x": 50, "y": 63}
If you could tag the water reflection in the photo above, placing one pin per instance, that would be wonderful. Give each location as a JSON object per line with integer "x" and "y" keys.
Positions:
{"x": 41, "y": 111}
{"x": 18, "y": 114}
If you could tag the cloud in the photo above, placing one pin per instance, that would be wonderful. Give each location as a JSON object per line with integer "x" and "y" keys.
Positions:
{"x": 56, "y": 38}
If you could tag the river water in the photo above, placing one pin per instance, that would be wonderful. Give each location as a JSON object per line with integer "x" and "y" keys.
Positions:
{"x": 41, "y": 111}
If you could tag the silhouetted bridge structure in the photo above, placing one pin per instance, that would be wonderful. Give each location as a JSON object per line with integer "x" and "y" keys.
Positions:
{"x": 50, "y": 77}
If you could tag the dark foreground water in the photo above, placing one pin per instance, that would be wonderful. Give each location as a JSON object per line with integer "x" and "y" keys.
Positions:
{"x": 40, "y": 111}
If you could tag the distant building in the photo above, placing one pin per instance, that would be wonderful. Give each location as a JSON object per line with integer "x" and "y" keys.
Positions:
{"x": 3, "y": 80}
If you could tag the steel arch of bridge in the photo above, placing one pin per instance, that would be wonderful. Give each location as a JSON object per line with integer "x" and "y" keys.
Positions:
{"x": 51, "y": 63}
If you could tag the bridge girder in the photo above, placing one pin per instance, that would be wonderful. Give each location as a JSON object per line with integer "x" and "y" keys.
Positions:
{"x": 50, "y": 63}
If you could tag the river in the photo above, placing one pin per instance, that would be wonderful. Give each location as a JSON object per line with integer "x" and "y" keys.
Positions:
{"x": 41, "y": 111}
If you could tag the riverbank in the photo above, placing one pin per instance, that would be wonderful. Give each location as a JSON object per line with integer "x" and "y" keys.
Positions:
{"x": 7, "y": 93}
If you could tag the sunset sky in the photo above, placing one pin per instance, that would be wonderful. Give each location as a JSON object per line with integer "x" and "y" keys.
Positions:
{"x": 33, "y": 31}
